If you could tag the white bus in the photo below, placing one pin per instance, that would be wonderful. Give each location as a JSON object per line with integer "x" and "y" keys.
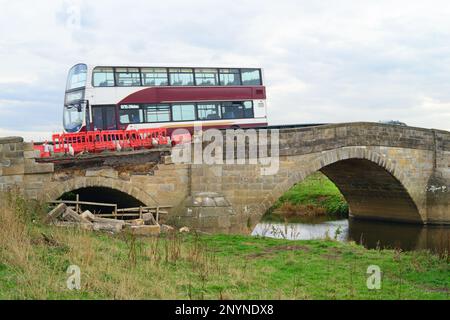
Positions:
{"x": 100, "y": 97}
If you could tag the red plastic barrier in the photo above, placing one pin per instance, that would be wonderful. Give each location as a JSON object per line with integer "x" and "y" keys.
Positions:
{"x": 152, "y": 137}
{"x": 132, "y": 139}
{"x": 43, "y": 153}
{"x": 97, "y": 141}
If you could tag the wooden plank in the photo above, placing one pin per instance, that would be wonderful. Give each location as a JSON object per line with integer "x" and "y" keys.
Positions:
{"x": 72, "y": 216}
{"x": 157, "y": 215}
{"x": 118, "y": 215}
{"x": 144, "y": 208}
{"x": 106, "y": 220}
{"x": 148, "y": 217}
{"x": 110, "y": 227}
{"x": 77, "y": 205}
{"x": 87, "y": 215}
{"x": 129, "y": 214}
{"x": 56, "y": 212}
{"x": 84, "y": 202}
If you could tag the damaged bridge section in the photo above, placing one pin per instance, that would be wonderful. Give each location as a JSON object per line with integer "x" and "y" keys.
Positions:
{"x": 384, "y": 171}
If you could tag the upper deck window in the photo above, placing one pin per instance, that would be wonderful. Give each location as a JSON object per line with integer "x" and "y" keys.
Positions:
{"x": 229, "y": 77}
{"x": 206, "y": 77}
{"x": 251, "y": 77}
{"x": 158, "y": 76}
{"x": 128, "y": 77}
{"x": 103, "y": 77}
{"x": 154, "y": 77}
{"x": 77, "y": 77}
{"x": 181, "y": 77}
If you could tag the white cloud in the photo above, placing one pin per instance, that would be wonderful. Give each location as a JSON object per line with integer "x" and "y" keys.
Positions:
{"x": 324, "y": 61}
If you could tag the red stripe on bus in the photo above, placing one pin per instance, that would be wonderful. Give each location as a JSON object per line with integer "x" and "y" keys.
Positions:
{"x": 192, "y": 94}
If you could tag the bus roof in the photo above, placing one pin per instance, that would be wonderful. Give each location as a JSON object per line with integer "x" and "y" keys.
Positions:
{"x": 165, "y": 65}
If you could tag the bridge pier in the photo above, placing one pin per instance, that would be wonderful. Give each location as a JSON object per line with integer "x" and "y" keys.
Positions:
{"x": 19, "y": 169}
{"x": 438, "y": 185}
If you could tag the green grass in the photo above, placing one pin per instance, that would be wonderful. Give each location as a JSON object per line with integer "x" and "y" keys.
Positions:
{"x": 190, "y": 266}
{"x": 315, "y": 196}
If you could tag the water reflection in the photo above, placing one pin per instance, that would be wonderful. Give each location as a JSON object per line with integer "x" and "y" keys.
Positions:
{"x": 371, "y": 234}
{"x": 337, "y": 229}
{"x": 408, "y": 237}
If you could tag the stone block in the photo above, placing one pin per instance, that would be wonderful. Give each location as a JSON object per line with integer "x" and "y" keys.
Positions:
{"x": 146, "y": 230}
{"x": 5, "y": 163}
{"x": 13, "y": 170}
{"x": 9, "y": 140}
{"x": 33, "y": 154}
{"x": 33, "y": 167}
{"x": 28, "y": 146}
{"x": 167, "y": 187}
{"x": 104, "y": 172}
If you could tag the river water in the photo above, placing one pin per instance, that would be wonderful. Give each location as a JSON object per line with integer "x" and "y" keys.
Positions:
{"x": 371, "y": 234}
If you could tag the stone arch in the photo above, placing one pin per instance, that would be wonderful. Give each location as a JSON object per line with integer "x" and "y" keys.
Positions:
{"x": 57, "y": 189}
{"x": 328, "y": 158}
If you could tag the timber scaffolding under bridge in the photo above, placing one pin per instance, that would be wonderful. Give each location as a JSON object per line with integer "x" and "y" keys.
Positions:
{"x": 113, "y": 210}
{"x": 386, "y": 172}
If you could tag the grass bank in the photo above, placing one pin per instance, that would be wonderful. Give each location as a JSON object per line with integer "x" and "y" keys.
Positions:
{"x": 34, "y": 259}
{"x": 316, "y": 196}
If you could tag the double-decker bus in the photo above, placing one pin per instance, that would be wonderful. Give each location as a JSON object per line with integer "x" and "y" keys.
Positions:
{"x": 135, "y": 97}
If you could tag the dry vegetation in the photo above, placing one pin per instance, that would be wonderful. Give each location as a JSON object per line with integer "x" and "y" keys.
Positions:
{"x": 34, "y": 259}
{"x": 122, "y": 266}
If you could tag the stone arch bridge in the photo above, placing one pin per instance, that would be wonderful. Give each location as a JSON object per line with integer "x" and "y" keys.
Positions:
{"x": 385, "y": 172}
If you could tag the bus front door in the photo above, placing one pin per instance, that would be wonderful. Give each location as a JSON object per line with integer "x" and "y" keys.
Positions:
{"x": 104, "y": 118}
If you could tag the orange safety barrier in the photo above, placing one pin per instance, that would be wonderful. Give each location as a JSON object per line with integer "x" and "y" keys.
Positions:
{"x": 97, "y": 141}
{"x": 132, "y": 138}
{"x": 43, "y": 153}
{"x": 152, "y": 137}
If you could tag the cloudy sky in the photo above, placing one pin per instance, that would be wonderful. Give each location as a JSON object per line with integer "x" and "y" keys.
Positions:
{"x": 324, "y": 61}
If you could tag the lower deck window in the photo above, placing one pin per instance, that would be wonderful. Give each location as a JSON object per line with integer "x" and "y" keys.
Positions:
{"x": 183, "y": 112}
{"x": 131, "y": 114}
{"x": 141, "y": 113}
{"x": 237, "y": 110}
{"x": 157, "y": 113}
{"x": 209, "y": 111}
{"x": 248, "y": 109}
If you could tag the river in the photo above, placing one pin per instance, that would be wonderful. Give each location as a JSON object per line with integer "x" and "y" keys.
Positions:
{"x": 371, "y": 234}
